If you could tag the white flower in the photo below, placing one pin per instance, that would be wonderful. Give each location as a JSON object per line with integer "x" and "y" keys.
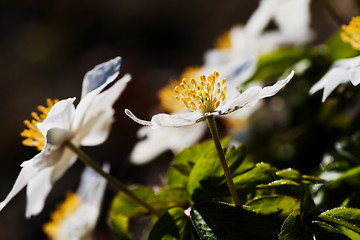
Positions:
{"x": 342, "y": 71}
{"x": 208, "y": 99}
{"x": 76, "y": 218}
{"x": 86, "y": 125}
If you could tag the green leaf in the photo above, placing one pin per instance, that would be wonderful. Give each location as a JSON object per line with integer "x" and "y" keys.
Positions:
{"x": 126, "y": 206}
{"x": 174, "y": 224}
{"x": 294, "y": 229}
{"x": 170, "y": 197}
{"x": 273, "y": 63}
{"x": 276, "y": 205}
{"x": 289, "y": 173}
{"x": 346, "y": 217}
{"x": 279, "y": 183}
{"x": 350, "y": 177}
{"x": 207, "y": 176}
{"x": 120, "y": 227}
{"x": 185, "y": 160}
{"x": 312, "y": 179}
{"x": 261, "y": 173}
{"x": 324, "y": 231}
{"x": 221, "y": 221}
{"x": 337, "y": 49}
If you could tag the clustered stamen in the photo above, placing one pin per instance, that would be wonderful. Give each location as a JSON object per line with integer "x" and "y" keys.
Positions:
{"x": 33, "y": 136}
{"x": 204, "y": 96}
{"x": 62, "y": 212}
{"x": 351, "y": 33}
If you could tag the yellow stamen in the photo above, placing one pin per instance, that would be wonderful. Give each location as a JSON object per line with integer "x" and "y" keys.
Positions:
{"x": 204, "y": 95}
{"x": 63, "y": 211}
{"x": 33, "y": 136}
{"x": 166, "y": 95}
{"x": 351, "y": 33}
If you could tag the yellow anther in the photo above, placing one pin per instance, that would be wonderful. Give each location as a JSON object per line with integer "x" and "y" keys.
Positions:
{"x": 351, "y": 33}
{"x": 223, "y": 81}
{"x": 204, "y": 95}
{"x": 224, "y": 41}
{"x": 62, "y": 212}
{"x": 34, "y": 137}
{"x": 177, "y": 90}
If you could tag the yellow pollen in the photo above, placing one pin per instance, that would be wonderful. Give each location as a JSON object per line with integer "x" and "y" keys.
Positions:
{"x": 166, "y": 94}
{"x": 62, "y": 212}
{"x": 203, "y": 96}
{"x": 351, "y": 33}
{"x": 32, "y": 135}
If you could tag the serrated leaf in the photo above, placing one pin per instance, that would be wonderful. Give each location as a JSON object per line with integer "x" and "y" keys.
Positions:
{"x": 184, "y": 161}
{"x": 124, "y": 205}
{"x": 173, "y": 225}
{"x": 259, "y": 174}
{"x": 346, "y": 217}
{"x": 170, "y": 197}
{"x": 324, "y": 231}
{"x": 291, "y": 174}
{"x": 274, "y": 205}
{"x": 278, "y": 183}
{"x": 293, "y": 229}
{"x": 225, "y": 222}
{"x": 350, "y": 177}
{"x": 207, "y": 175}
{"x": 120, "y": 227}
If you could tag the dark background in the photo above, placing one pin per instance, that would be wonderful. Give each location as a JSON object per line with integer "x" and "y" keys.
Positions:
{"x": 46, "y": 47}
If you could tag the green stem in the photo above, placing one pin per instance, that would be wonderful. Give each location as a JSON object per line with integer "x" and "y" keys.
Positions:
{"x": 230, "y": 182}
{"x": 111, "y": 180}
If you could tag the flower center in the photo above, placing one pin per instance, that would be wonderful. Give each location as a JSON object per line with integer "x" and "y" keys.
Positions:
{"x": 62, "y": 212}
{"x": 204, "y": 96}
{"x": 351, "y": 33}
{"x": 33, "y": 136}
{"x": 166, "y": 94}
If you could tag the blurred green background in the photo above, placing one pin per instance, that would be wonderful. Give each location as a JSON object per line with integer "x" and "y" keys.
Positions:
{"x": 46, "y": 47}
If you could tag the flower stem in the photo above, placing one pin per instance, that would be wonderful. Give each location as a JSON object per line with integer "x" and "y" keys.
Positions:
{"x": 111, "y": 180}
{"x": 230, "y": 182}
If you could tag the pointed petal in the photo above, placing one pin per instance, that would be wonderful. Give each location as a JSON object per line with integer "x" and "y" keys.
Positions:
{"x": 334, "y": 77}
{"x": 104, "y": 72}
{"x": 272, "y": 90}
{"x": 136, "y": 119}
{"x": 22, "y": 180}
{"x": 37, "y": 190}
{"x": 175, "y": 120}
{"x": 355, "y": 76}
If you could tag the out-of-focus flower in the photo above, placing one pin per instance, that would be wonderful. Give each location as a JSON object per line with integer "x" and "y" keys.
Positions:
{"x": 76, "y": 217}
{"x": 208, "y": 99}
{"x": 86, "y": 125}
{"x": 344, "y": 70}
{"x": 235, "y": 55}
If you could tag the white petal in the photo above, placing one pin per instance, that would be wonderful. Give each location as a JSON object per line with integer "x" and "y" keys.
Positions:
{"x": 37, "y": 190}
{"x": 159, "y": 140}
{"x": 22, "y": 180}
{"x": 80, "y": 225}
{"x": 97, "y": 129}
{"x": 175, "y": 120}
{"x": 104, "y": 72}
{"x": 64, "y": 163}
{"x": 92, "y": 186}
{"x": 57, "y": 136}
{"x": 272, "y": 90}
{"x": 334, "y": 78}
{"x": 136, "y": 119}
{"x": 355, "y": 76}
{"x": 95, "y": 102}
{"x": 60, "y": 116}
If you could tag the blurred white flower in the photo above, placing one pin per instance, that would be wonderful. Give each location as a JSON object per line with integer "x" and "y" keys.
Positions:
{"x": 86, "y": 125}
{"x": 342, "y": 71}
{"x": 208, "y": 99}
{"x": 76, "y": 217}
